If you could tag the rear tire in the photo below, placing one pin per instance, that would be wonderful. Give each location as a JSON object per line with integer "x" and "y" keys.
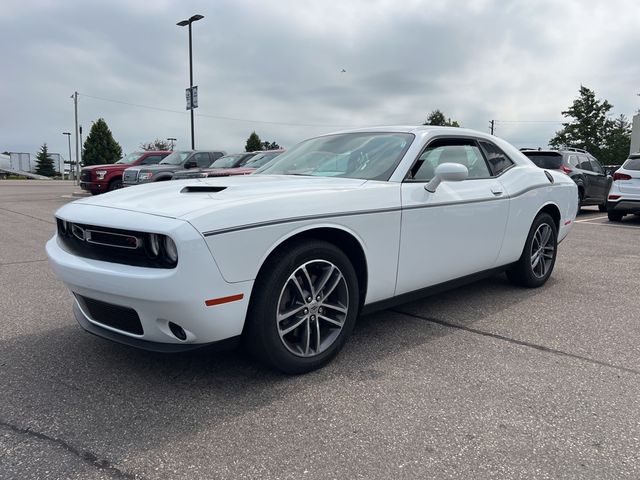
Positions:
{"x": 615, "y": 216}
{"x": 538, "y": 257}
{"x": 602, "y": 207}
{"x": 303, "y": 307}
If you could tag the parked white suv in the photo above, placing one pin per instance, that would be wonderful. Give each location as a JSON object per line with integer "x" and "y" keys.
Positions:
{"x": 624, "y": 196}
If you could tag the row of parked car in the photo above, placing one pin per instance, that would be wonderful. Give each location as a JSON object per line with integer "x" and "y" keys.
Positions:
{"x": 156, "y": 166}
{"x": 617, "y": 194}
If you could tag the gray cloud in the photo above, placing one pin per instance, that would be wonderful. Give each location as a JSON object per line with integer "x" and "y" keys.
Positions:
{"x": 279, "y": 64}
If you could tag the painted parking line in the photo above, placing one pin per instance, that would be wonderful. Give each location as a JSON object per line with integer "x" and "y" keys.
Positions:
{"x": 609, "y": 224}
{"x": 587, "y": 220}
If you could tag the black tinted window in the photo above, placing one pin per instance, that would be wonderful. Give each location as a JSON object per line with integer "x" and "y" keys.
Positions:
{"x": 498, "y": 160}
{"x": 551, "y": 161}
{"x": 202, "y": 159}
{"x": 596, "y": 166}
{"x": 584, "y": 163}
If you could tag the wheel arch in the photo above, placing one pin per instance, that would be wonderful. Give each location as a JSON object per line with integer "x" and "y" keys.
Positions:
{"x": 345, "y": 239}
{"x": 553, "y": 210}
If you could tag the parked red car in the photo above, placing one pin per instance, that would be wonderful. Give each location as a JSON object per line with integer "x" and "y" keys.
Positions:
{"x": 226, "y": 168}
{"x": 104, "y": 178}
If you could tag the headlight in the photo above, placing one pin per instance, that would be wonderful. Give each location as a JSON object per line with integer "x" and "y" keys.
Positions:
{"x": 100, "y": 174}
{"x": 170, "y": 249}
{"x": 144, "y": 176}
{"x": 153, "y": 244}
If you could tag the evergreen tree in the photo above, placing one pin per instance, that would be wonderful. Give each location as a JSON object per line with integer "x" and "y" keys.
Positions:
{"x": 617, "y": 142}
{"x": 436, "y": 117}
{"x": 589, "y": 126}
{"x": 253, "y": 143}
{"x": 100, "y": 147}
{"x": 44, "y": 163}
{"x": 270, "y": 146}
{"x": 157, "y": 144}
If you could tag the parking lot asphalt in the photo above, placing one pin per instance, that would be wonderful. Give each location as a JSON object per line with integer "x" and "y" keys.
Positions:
{"x": 485, "y": 381}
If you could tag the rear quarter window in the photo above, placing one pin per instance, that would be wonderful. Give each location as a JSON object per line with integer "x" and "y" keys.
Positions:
{"x": 632, "y": 164}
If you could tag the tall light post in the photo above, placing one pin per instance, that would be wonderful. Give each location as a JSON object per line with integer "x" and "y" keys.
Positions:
{"x": 172, "y": 140}
{"x": 184, "y": 23}
{"x": 68, "y": 134}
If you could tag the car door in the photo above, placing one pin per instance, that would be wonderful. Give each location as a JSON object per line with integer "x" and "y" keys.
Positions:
{"x": 203, "y": 159}
{"x": 458, "y": 229}
{"x": 600, "y": 180}
{"x": 590, "y": 178}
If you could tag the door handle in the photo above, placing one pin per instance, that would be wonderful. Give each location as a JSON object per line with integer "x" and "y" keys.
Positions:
{"x": 497, "y": 191}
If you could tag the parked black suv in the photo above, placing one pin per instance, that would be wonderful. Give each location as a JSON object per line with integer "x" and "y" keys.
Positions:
{"x": 178, "y": 160}
{"x": 593, "y": 183}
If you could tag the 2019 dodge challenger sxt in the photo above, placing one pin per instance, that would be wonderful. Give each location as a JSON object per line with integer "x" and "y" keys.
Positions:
{"x": 288, "y": 257}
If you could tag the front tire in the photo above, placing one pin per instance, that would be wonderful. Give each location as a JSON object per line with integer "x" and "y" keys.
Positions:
{"x": 538, "y": 258}
{"x": 303, "y": 307}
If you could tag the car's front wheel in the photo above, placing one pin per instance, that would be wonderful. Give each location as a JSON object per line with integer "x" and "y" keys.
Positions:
{"x": 115, "y": 184}
{"x": 615, "y": 216}
{"x": 303, "y": 308}
{"x": 538, "y": 258}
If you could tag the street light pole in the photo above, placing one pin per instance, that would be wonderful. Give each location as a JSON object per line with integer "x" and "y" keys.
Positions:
{"x": 184, "y": 23}
{"x": 68, "y": 134}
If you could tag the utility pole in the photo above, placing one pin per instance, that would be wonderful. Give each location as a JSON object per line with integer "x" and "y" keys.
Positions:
{"x": 75, "y": 104}
{"x": 491, "y": 126}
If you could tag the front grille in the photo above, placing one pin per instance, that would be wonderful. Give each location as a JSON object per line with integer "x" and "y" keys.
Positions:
{"x": 114, "y": 316}
{"x": 113, "y": 245}
{"x": 130, "y": 176}
{"x": 85, "y": 175}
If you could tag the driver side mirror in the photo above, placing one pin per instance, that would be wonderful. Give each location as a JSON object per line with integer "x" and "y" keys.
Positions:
{"x": 191, "y": 164}
{"x": 447, "y": 172}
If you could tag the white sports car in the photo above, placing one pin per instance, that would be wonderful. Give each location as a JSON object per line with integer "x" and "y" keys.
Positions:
{"x": 287, "y": 258}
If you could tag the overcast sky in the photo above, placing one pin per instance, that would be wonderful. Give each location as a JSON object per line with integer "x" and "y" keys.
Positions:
{"x": 276, "y": 67}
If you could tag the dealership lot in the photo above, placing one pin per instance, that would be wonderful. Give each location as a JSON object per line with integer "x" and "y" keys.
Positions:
{"x": 484, "y": 381}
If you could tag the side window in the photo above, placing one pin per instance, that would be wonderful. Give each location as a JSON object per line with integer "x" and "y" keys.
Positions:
{"x": 498, "y": 160}
{"x": 202, "y": 159}
{"x": 583, "y": 163}
{"x": 151, "y": 160}
{"x": 465, "y": 152}
{"x": 595, "y": 165}
{"x": 573, "y": 161}
{"x": 216, "y": 155}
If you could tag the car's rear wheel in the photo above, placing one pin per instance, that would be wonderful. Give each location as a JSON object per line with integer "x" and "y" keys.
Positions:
{"x": 615, "y": 216}
{"x": 303, "y": 308}
{"x": 538, "y": 258}
{"x": 115, "y": 184}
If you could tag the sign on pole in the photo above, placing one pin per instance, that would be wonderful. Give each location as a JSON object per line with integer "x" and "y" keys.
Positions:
{"x": 192, "y": 97}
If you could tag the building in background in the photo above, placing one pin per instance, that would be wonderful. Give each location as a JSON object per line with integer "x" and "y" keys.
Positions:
{"x": 635, "y": 134}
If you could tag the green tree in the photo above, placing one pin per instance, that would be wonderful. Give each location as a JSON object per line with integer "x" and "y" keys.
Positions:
{"x": 617, "y": 142}
{"x": 436, "y": 117}
{"x": 589, "y": 126}
{"x": 253, "y": 143}
{"x": 157, "y": 144}
{"x": 44, "y": 163}
{"x": 100, "y": 147}
{"x": 270, "y": 146}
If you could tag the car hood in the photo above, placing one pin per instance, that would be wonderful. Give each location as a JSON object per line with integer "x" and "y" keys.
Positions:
{"x": 157, "y": 168}
{"x": 229, "y": 197}
{"x": 108, "y": 166}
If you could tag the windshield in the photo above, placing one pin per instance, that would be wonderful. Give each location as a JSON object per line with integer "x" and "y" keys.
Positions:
{"x": 368, "y": 156}
{"x": 231, "y": 161}
{"x": 176, "y": 158}
{"x": 129, "y": 159}
{"x": 261, "y": 159}
{"x": 548, "y": 160}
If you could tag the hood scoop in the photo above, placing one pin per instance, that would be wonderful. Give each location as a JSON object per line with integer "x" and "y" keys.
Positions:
{"x": 202, "y": 189}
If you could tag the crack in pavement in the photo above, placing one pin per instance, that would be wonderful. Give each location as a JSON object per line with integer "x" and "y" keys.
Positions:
{"x": 22, "y": 261}
{"x": 27, "y": 215}
{"x": 85, "y": 455}
{"x": 535, "y": 346}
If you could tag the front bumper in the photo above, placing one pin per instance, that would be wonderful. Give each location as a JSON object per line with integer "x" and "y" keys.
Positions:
{"x": 158, "y": 296}
{"x": 93, "y": 186}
